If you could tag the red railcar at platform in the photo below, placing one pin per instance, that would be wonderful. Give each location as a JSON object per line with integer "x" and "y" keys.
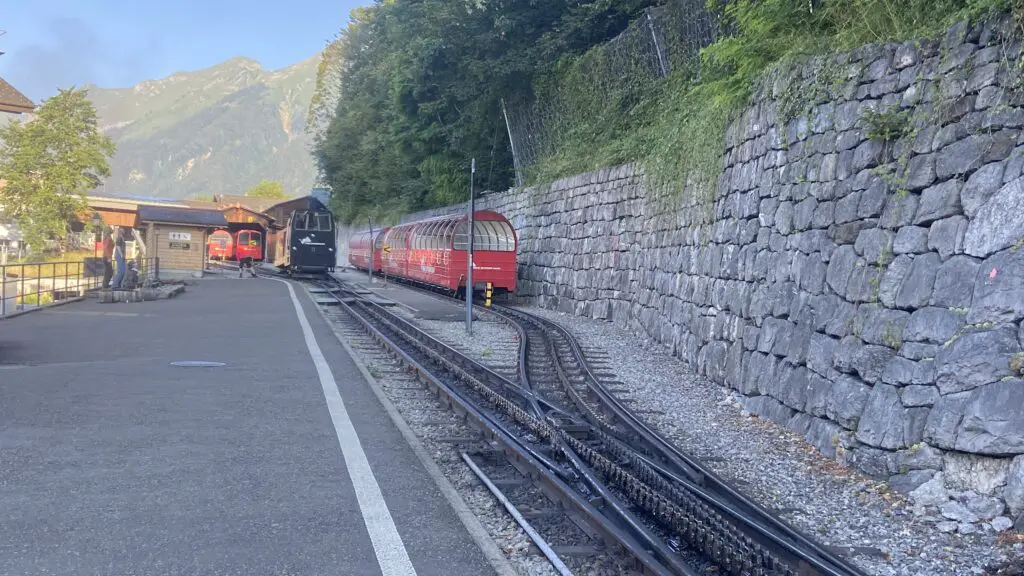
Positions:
{"x": 220, "y": 246}
{"x": 435, "y": 252}
{"x": 249, "y": 244}
{"x": 359, "y": 249}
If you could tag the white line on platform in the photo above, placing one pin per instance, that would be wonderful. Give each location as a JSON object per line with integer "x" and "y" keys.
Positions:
{"x": 387, "y": 543}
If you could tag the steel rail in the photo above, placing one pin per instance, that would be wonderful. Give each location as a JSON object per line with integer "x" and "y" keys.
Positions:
{"x": 702, "y": 482}
{"x": 687, "y": 497}
{"x": 514, "y": 447}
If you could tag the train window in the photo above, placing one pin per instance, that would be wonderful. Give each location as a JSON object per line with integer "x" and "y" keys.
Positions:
{"x": 299, "y": 221}
{"x": 461, "y": 243}
{"x": 447, "y": 234}
{"x": 434, "y": 235}
{"x": 243, "y": 238}
{"x": 486, "y": 235}
{"x": 323, "y": 222}
{"x": 508, "y": 237}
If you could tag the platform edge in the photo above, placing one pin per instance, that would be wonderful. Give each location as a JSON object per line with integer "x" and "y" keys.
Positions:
{"x": 469, "y": 520}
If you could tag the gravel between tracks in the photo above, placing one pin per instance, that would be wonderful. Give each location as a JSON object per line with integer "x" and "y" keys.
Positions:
{"x": 436, "y": 426}
{"x": 767, "y": 462}
{"x": 777, "y": 468}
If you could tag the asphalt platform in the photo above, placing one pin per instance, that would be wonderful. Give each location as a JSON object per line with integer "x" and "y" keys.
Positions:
{"x": 281, "y": 461}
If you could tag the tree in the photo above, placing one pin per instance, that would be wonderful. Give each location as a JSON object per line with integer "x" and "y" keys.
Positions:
{"x": 49, "y": 163}
{"x": 268, "y": 189}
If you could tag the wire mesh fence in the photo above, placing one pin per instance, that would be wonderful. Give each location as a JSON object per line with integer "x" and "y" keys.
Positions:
{"x": 610, "y": 78}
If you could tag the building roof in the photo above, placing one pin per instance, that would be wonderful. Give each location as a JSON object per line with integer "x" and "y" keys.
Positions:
{"x": 186, "y": 216}
{"x": 13, "y": 101}
{"x": 254, "y": 203}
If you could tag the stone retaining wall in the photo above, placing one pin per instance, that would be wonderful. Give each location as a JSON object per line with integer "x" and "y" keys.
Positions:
{"x": 864, "y": 291}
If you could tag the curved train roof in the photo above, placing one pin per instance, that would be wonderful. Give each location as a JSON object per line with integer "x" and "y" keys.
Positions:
{"x": 478, "y": 215}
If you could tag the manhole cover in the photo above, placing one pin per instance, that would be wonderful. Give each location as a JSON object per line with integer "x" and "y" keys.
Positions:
{"x": 198, "y": 364}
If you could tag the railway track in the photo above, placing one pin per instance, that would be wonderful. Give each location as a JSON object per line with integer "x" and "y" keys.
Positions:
{"x": 564, "y": 429}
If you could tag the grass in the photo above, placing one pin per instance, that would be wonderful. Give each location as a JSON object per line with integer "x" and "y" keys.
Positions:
{"x": 674, "y": 128}
{"x": 70, "y": 263}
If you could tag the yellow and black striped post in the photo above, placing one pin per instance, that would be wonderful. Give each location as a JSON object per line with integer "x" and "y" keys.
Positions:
{"x": 487, "y": 295}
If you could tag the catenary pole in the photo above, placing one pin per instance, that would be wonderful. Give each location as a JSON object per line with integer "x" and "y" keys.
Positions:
{"x": 469, "y": 254}
{"x": 369, "y": 265}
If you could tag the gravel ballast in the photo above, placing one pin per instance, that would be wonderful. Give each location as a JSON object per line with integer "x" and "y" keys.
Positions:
{"x": 445, "y": 436}
{"x": 769, "y": 463}
{"x": 780, "y": 470}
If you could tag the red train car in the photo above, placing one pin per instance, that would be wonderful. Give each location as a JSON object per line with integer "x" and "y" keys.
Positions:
{"x": 434, "y": 251}
{"x": 220, "y": 246}
{"x": 359, "y": 249}
{"x": 249, "y": 244}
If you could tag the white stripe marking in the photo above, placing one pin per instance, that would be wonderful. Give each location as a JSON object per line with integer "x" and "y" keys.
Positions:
{"x": 387, "y": 543}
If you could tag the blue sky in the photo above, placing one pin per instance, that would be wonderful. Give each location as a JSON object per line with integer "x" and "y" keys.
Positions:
{"x": 117, "y": 43}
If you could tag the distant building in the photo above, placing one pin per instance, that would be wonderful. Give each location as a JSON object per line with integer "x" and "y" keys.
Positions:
{"x": 14, "y": 102}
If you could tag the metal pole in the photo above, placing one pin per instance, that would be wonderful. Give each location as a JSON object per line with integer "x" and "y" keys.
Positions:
{"x": 469, "y": 254}
{"x": 369, "y": 265}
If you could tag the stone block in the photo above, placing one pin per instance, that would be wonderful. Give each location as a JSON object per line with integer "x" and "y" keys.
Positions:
{"x": 954, "y": 282}
{"x": 864, "y": 283}
{"x": 918, "y": 350}
{"x": 875, "y": 245}
{"x": 820, "y": 354}
{"x": 840, "y": 267}
{"x": 931, "y": 493}
{"x": 847, "y": 400}
{"x": 784, "y": 218}
{"x": 933, "y": 324}
{"x": 893, "y": 278}
{"x": 972, "y": 152}
{"x": 910, "y": 481}
{"x": 976, "y": 358}
{"x": 982, "y": 77}
{"x": 874, "y": 462}
{"x": 993, "y": 421}
{"x": 980, "y": 474}
{"x": 998, "y": 223}
{"x": 899, "y": 210}
{"x": 920, "y": 172}
{"x": 906, "y": 55}
{"x": 824, "y": 215}
{"x": 990, "y": 96}
{"x": 882, "y": 422}
{"x": 939, "y": 201}
{"x": 911, "y": 240}
{"x": 883, "y": 326}
{"x": 999, "y": 289}
{"x": 872, "y": 199}
{"x": 946, "y": 236}
{"x": 916, "y": 289}
{"x": 868, "y": 155}
{"x": 823, "y": 435}
{"x": 803, "y": 213}
{"x": 922, "y": 457}
{"x": 871, "y": 360}
{"x": 985, "y": 182}
{"x": 943, "y": 420}
{"x": 902, "y": 371}
{"x": 918, "y": 395}
{"x": 1014, "y": 491}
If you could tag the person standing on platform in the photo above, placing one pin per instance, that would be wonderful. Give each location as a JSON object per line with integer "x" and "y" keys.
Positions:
{"x": 108, "y": 255}
{"x": 119, "y": 256}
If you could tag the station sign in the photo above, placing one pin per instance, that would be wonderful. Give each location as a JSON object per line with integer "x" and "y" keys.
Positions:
{"x": 180, "y": 236}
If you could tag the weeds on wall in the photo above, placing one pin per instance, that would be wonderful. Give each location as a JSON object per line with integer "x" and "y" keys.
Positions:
{"x": 674, "y": 127}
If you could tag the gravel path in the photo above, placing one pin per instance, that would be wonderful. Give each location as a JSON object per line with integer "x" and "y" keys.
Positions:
{"x": 779, "y": 469}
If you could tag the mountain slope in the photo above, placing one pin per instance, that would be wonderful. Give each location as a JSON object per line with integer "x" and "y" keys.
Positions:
{"x": 218, "y": 130}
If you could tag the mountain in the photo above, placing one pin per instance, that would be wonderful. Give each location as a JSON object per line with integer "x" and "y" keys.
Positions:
{"x": 214, "y": 131}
